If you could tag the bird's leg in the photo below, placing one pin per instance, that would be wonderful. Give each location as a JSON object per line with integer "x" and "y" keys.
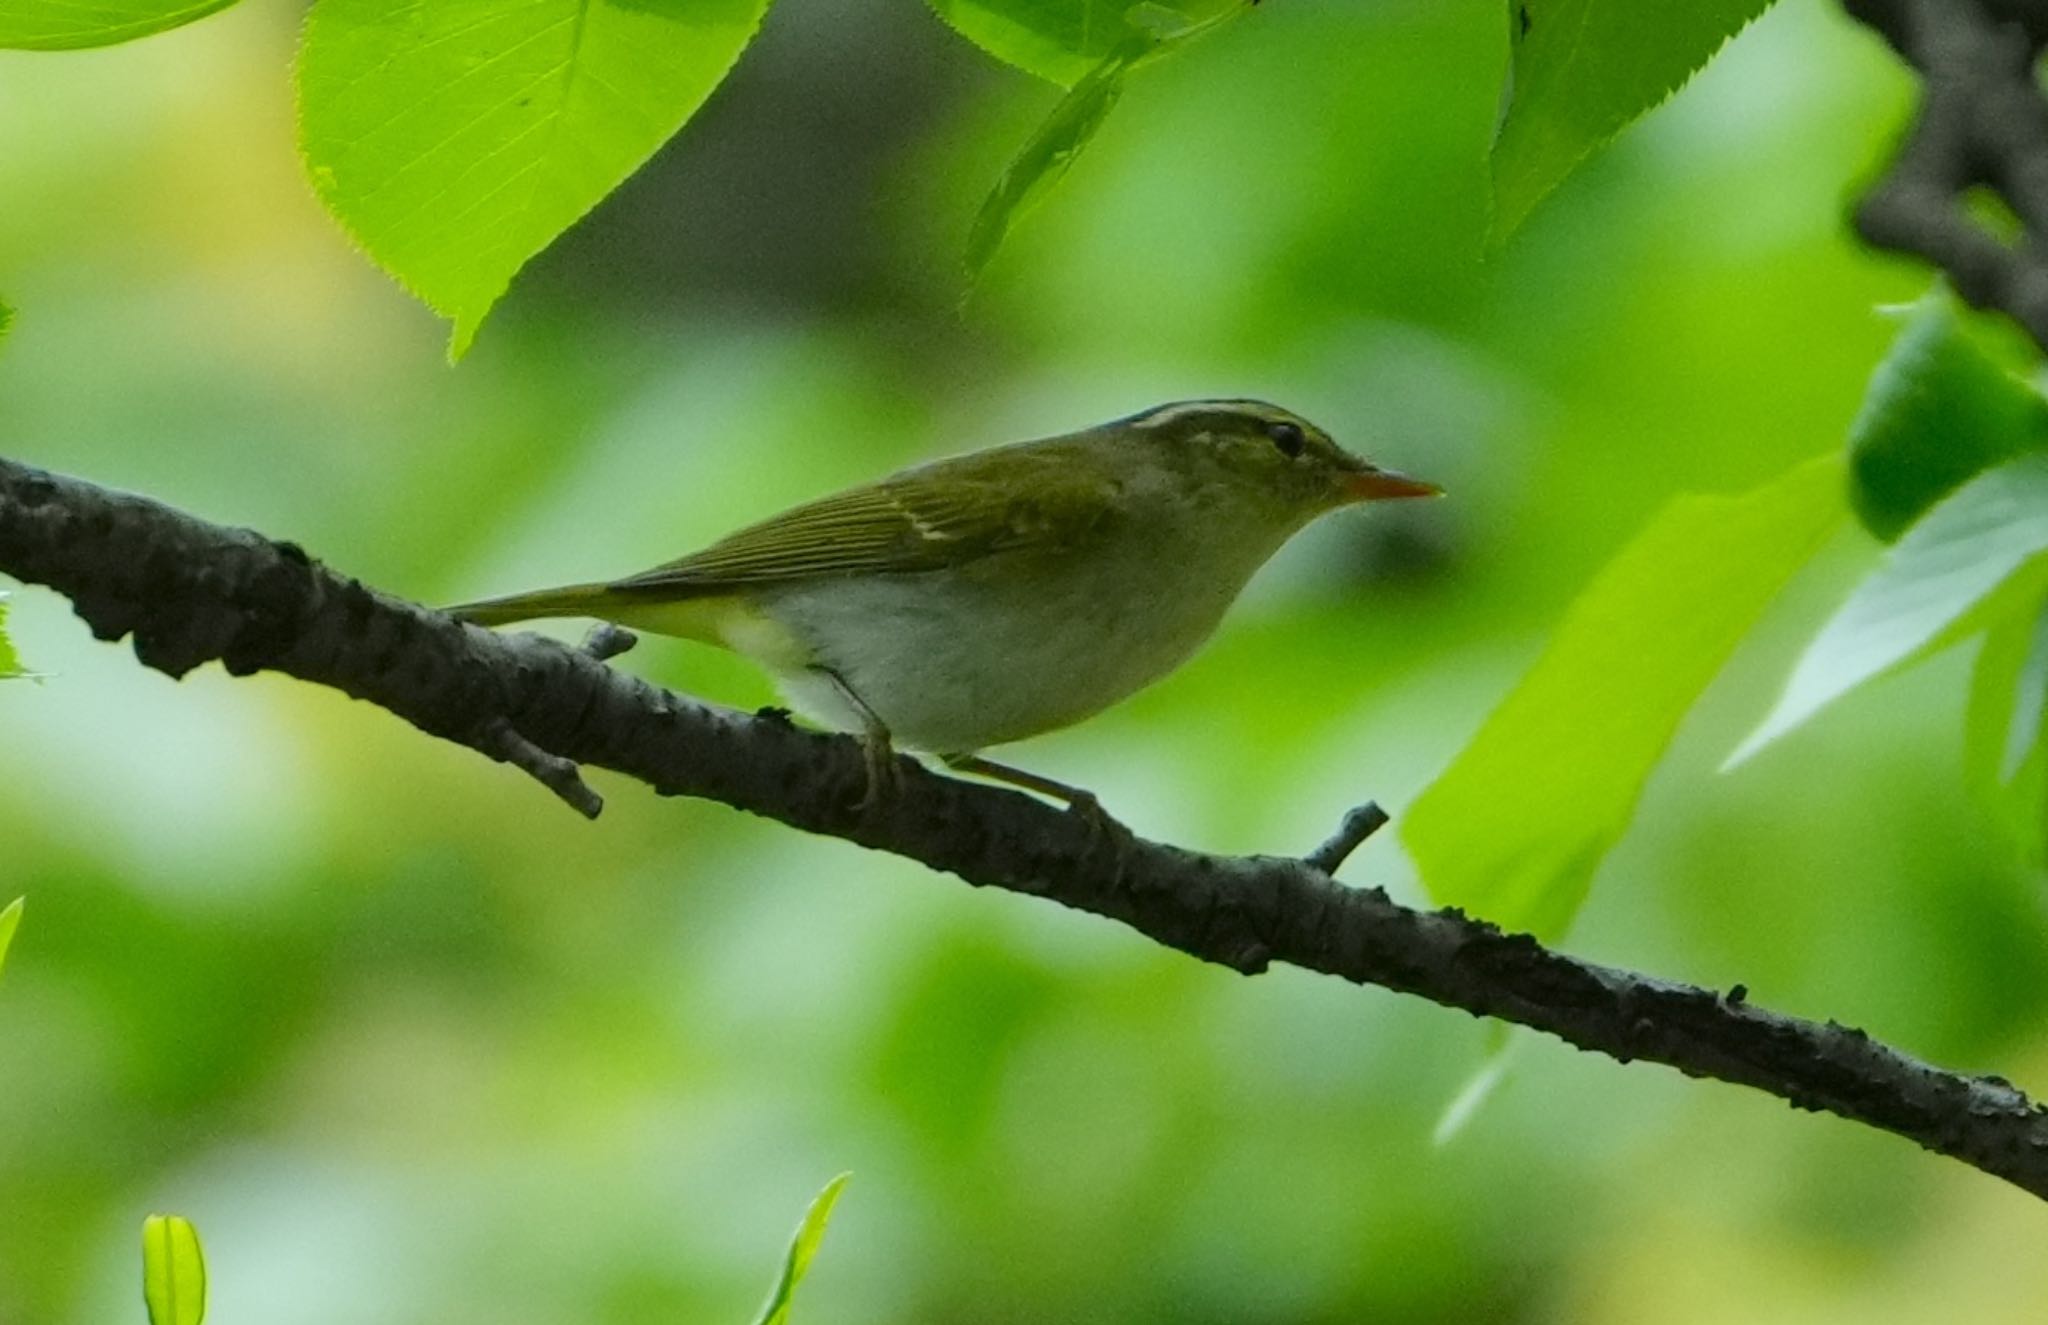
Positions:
{"x": 1080, "y": 801}
{"x": 874, "y": 743}
{"x": 1077, "y": 799}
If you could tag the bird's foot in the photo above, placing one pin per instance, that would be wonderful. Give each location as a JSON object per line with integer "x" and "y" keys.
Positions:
{"x": 1104, "y": 829}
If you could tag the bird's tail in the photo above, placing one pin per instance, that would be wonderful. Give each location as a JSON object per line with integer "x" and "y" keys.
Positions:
{"x": 568, "y": 600}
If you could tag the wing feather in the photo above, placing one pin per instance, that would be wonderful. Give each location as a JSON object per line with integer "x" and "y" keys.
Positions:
{"x": 942, "y": 514}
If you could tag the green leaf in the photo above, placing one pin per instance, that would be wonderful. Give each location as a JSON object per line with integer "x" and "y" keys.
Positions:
{"x": 6, "y": 318}
{"x": 2005, "y": 760}
{"x": 1515, "y": 826}
{"x": 56, "y": 25}
{"x": 1939, "y": 411}
{"x": 802, "y": 1248}
{"x": 456, "y": 139}
{"x": 1065, "y": 40}
{"x": 1044, "y": 159}
{"x": 10, "y": 920}
{"x": 1150, "y": 31}
{"x": 1971, "y": 546}
{"x": 173, "y": 1271}
{"x": 1580, "y": 71}
{"x": 10, "y": 661}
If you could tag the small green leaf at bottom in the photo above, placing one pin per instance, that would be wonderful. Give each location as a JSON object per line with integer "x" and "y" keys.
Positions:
{"x": 10, "y": 661}
{"x": 173, "y": 1271}
{"x": 10, "y": 920}
{"x": 802, "y": 1248}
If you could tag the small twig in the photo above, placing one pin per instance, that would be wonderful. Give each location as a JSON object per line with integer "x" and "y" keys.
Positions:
{"x": 501, "y": 741}
{"x": 607, "y": 641}
{"x": 1359, "y": 823}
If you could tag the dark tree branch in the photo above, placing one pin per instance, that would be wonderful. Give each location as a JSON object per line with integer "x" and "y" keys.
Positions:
{"x": 191, "y": 592}
{"x": 1982, "y": 122}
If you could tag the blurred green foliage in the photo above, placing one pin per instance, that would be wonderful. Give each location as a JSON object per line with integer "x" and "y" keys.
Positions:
{"x": 360, "y": 1003}
{"x": 456, "y": 141}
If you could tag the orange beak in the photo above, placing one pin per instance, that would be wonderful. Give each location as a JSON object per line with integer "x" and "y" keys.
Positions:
{"x": 1372, "y": 484}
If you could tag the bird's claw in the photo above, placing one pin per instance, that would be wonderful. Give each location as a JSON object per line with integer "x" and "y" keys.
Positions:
{"x": 884, "y": 778}
{"x": 1104, "y": 828}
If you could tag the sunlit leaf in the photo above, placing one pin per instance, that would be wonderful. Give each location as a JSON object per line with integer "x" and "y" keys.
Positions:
{"x": 2005, "y": 759}
{"x": 1149, "y": 32}
{"x": 1581, "y": 70}
{"x": 1064, "y": 40}
{"x": 802, "y": 1248}
{"x": 173, "y": 1271}
{"x": 1967, "y": 548}
{"x": 1516, "y": 825}
{"x": 1939, "y": 411}
{"x": 55, "y": 25}
{"x": 457, "y": 139}
{"x": 10, "y": 920}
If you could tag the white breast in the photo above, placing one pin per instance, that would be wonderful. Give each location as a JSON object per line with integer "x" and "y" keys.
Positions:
{"x": 959, "y": 660}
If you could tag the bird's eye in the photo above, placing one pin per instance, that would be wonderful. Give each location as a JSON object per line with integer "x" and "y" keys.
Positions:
{"x": 1288, "y": 437}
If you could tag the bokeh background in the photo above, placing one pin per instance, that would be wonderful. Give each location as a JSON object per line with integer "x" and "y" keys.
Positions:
{"x": 411, "y": 1043}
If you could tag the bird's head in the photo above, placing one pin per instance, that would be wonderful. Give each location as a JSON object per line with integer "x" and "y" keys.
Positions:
{"x": 1255, "y": 448}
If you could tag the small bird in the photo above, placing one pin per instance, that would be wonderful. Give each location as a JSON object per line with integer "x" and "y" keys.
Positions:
{"x": 977, "y": 600}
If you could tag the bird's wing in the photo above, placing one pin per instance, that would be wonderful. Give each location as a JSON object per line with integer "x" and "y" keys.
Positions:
{"x": 927, "y": 518}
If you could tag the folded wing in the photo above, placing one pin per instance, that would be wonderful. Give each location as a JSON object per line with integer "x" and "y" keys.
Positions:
{"x": 937, "y": 515}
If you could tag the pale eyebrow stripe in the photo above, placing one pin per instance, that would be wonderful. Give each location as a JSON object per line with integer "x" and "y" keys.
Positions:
{"x": 1166, "y": 414}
